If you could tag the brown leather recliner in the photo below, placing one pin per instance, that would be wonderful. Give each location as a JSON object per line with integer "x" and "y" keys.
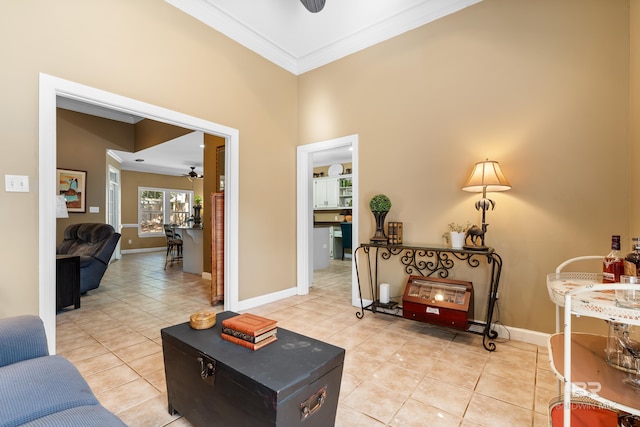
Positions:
{"x": 94, "y": 243}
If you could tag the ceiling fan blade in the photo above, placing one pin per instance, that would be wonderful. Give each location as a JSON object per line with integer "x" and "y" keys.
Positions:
{"x": 313, "y": 6}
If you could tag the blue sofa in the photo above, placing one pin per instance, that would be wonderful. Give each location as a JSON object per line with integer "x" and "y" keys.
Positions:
{"x": 39, "y": 390}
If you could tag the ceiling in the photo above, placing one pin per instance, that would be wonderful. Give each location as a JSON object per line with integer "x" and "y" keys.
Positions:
{"x": 287, "y": 34}
{"x": 174, "y": 157}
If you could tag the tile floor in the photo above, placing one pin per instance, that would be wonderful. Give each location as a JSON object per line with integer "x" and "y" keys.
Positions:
{"x": 397, "y": 372}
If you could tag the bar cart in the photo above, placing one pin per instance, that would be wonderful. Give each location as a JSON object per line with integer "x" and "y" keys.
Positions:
{"x": 579, "y": 360}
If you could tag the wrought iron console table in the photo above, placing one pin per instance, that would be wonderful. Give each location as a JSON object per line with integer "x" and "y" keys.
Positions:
{"x": 430, "y": 261}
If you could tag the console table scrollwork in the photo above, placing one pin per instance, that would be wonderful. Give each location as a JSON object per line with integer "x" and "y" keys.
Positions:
{"x": 431, "y": 262}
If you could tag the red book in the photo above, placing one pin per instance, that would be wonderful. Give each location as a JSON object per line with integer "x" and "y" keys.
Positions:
{"x": 249, "y": 324}
{"x": 247, "y": 344}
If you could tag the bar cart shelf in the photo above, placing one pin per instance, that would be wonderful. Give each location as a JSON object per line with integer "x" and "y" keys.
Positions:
{"x": 578, "y": 359}
{"x": 429, "y": 261}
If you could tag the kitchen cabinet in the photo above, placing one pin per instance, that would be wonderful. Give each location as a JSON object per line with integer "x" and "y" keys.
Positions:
{"x": 326, "y": 193}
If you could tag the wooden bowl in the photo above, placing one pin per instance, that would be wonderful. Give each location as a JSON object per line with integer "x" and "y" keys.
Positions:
{"x": 202, "y": 320}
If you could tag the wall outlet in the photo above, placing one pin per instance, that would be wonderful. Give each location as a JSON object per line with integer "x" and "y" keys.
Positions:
{"x": 129, "y": 241}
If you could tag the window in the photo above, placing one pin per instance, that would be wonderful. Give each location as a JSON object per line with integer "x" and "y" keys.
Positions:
{"x": 157, "y": 206}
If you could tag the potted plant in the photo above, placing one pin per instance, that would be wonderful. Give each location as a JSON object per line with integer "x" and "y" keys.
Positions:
{"x": 456, "y": 234}
{"x": 380, "y": 206}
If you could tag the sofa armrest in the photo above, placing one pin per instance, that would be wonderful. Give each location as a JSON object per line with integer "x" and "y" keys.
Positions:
{"x": 22, "y": 338}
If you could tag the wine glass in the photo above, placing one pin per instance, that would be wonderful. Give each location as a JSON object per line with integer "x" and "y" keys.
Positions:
{"x": 629, "y": 338}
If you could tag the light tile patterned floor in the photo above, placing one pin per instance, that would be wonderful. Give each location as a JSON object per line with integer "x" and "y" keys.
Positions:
{"x": 397, "y": 372}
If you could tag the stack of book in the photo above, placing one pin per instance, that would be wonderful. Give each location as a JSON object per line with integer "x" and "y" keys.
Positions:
{"x": 395, "y": 233}
{"x": 249, "y": 330}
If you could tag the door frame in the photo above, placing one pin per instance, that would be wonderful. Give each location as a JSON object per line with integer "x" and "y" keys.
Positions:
{"x": 117, "y": 200}
{"x": 305, "y": 210}
{"x": 50, "y": 88}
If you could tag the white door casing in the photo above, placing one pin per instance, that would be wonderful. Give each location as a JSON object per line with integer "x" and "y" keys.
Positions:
{"x": 52, "y": 87}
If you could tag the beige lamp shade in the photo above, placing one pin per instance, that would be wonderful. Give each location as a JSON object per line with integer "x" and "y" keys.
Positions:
{"x": 486, "y": 175}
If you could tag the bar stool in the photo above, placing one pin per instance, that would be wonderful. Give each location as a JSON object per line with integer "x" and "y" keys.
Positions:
{"x": 174, "y": 245}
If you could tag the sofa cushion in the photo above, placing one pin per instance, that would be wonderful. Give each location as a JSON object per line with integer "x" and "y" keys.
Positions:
{"x": 94, "y": 233}
{"x": 85, "y": 239}
{"x": 80, "y": 416}
{"x": 22, "y": 338}
{"x": 39, "y": 387}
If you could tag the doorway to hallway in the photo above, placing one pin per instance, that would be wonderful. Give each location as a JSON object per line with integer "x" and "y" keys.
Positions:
{"x": 305, "y": 239}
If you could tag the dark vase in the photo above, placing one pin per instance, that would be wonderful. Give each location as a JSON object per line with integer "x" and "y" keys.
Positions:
{"x": 379, "y": 238}
{"x": 197, "y": 219}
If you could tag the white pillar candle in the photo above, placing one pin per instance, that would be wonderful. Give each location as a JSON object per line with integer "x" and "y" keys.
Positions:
{"x": 384, "y": 293}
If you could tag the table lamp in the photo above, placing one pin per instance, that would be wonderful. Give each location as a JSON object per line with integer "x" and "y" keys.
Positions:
{"x": 486, "y": 176}
{"x": 61, "y": 207}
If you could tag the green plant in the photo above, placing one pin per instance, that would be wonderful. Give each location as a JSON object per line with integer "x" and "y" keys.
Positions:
{"x": 197, "y": 200}
{"x": 380, "y": 203}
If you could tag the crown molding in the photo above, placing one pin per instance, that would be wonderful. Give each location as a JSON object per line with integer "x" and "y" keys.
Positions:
{"x": 405, "y": 20}
{"x": 216, "y": 18}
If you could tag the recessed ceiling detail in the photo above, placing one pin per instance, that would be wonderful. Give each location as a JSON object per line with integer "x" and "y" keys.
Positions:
{"x": 285, "y": 33}
{"x": 177, "y": 157}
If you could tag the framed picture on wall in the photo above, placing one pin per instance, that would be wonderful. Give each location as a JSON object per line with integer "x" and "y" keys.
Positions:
{"x": 72, "y": 185}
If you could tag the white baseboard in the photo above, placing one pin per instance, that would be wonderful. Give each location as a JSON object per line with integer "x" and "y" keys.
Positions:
{"x": 266, "y": 299}
{"x": 142, "y": 250}
{"x": 525, "y": 335}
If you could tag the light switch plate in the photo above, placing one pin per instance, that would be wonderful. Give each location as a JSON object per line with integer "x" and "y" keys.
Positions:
{"x": 94, "y": 209}
{"x": 16, "y": 183}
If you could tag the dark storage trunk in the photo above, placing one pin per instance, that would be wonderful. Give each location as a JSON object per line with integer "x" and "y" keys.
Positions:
{"x": 294, "y": 381}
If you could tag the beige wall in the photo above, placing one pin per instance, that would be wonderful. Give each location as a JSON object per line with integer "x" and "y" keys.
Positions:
{"x": 83, "y": 142}
{"x": 540, "y": 86}
{"x": 634, "y": 113}
{"x": 150, "y": 51}
{"x": 150, "y": 132}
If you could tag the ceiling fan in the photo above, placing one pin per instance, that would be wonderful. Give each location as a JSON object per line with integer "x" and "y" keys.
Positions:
{"x": 193, "y": 174}
{"x": 313, "y": 6}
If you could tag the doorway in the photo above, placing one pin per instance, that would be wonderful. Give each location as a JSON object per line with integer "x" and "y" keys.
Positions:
{"x": 305, "y": 221}
{"x": 52, "y": 87}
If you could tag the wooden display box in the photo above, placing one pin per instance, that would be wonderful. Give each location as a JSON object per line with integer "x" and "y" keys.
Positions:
{"x": 294, "y": 381}
{"x": 439, "y": 301}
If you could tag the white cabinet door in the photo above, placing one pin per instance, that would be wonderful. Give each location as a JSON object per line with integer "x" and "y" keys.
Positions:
{"x": 325, "y": 193}
{"x": 319, "y": 193}
{"x": 333, "y": 193}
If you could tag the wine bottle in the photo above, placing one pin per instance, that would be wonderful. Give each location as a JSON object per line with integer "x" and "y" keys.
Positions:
{"x": 632, "y": 260}
{"x": 613, "y": 264}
